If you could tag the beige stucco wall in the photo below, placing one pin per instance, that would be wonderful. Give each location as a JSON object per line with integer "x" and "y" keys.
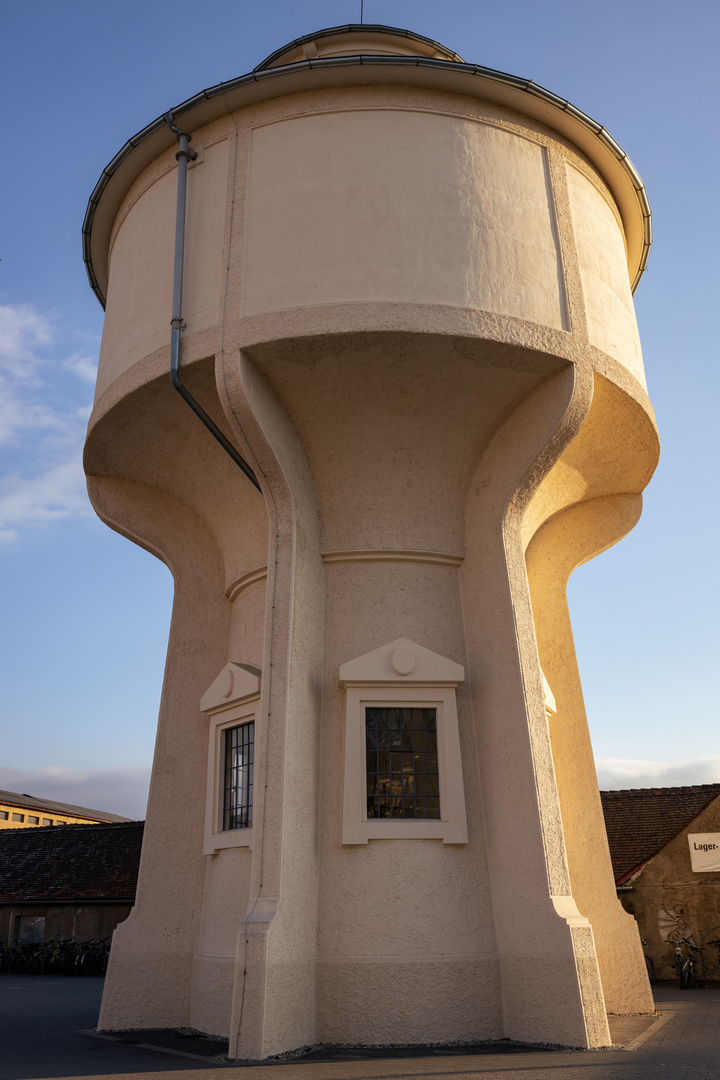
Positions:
{"x": 391, "y": 315}
{"x": 474, "y": 227}
{"x": 603, "y": 268}
{"x": 141, "y": 260}
{"x": 435, "y": 938}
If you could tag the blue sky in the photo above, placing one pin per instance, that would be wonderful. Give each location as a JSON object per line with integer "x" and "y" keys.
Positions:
{"x": 85, "y": 613}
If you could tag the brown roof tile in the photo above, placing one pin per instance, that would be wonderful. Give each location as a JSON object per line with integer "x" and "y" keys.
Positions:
{"x": 641, "y": 821}
{"x": 77, "y": 862}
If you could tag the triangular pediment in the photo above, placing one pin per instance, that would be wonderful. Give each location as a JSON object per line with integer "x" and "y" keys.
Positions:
{"x": 234, "y": 683}
{"x": 401, "y": 661}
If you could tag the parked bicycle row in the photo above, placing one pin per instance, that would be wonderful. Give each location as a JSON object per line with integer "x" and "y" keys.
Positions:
{"x": 56, "y": 958}
{"x": 687, "y": 969}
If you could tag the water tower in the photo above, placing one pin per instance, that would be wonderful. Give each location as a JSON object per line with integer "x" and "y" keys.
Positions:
{"x": 394, "y": 291}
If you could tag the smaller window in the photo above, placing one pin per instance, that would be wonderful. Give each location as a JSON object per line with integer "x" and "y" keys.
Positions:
{"x": 47, "y": 821}
{"x": 18, "y": 817}
{"x": 4, "y": 815}
{"x": 61, "y": 822}
{"x": 33, "y": 820}
{"x": 230, "y": 704}
{"x": 239, "y": 745}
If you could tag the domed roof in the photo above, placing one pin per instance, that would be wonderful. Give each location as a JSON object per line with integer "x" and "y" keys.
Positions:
{"x": 357, "y": 39}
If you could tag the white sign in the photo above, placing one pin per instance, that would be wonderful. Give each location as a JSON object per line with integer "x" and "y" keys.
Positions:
{"x": 704, "y": 851}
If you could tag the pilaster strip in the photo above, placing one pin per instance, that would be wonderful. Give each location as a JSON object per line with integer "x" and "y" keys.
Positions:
{"x": 574, "y": 294}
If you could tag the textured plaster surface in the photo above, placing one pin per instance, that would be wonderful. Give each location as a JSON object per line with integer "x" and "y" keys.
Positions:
{"x": 141, "y": 258}
{"x": 474, "y": 228}
{"x": 603, "y": 267}
{"x": 455, "y": 396}
{"x": 287, "y": 743}
{"x": 442, "y": 999}
{"x": 152, "y": 952}
{"x": 525, "y": 844}
{"x": 568, "y": 539}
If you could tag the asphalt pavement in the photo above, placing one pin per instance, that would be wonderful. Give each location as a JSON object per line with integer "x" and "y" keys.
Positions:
{"x": 47, "y": 1030}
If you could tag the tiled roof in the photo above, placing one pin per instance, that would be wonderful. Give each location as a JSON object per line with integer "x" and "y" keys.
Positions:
{"x": 77, "y": 862}
{"x": 641, "y": 821}
{"x": 31, "y": 802}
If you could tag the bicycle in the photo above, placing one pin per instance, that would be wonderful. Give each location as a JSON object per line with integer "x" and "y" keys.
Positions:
{"x": 716, "y": 943}
{"x": 648, "y": 960}
{"x": 6, "y": 959}
{"x": 689, "y": 969}
{"x": 679, "y": 959}
{"x": 92, "y": 957}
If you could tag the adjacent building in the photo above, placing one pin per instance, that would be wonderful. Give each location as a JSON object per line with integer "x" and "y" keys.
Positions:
{"x": 75, "y": 883}
{"x": 28, "y": 811}
{"x": 665, "y": 849}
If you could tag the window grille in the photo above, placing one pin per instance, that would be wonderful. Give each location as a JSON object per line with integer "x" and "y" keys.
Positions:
{"x": 238, "y": 776}
{"x": 402, "y": 763}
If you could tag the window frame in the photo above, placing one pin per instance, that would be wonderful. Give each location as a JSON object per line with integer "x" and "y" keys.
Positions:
{"x": 232, "y": 700}
{"x": 371, "y": 681}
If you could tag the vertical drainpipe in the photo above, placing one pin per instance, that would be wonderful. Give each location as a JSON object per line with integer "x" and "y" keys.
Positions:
{"x": 185, "y": 154}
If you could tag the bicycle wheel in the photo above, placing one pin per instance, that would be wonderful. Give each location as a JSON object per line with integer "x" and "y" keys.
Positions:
{"x": 688, "y": 975}
{"x": 650, "y": 967}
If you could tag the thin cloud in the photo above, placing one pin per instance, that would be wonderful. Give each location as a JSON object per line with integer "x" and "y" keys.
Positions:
{"x": 23, "y": 329}
{"x": 54, "y": 495}
{"x": 619, "y": 773}
{"x": 85, "y": 367}
{"x": 115, "y": 791}
{"x": 43, "y": 414}
{"x": 19, "y": 413}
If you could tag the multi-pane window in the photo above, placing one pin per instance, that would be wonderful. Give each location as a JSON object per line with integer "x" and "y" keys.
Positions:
{"x": 238, "y": 776}
{"x": 29, "y": 929}
{"x": 402, "y": 762}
